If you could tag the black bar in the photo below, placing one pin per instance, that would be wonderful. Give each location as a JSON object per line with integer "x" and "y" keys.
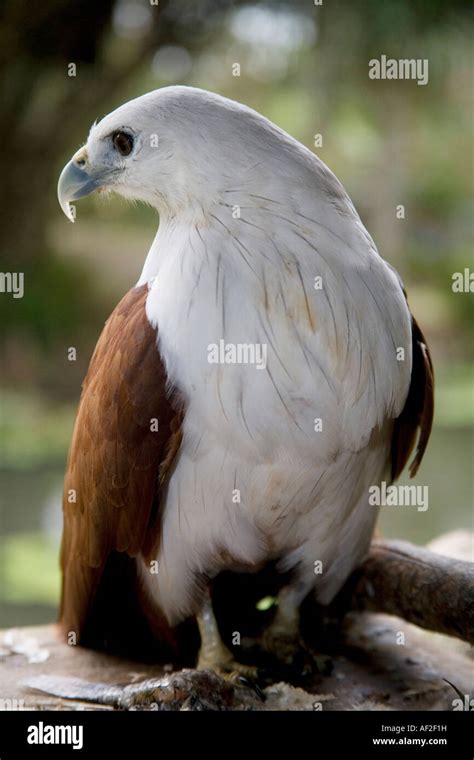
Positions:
{"x": 132, "y": 735}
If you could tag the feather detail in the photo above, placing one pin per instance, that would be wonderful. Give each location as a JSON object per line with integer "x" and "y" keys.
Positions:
{"x": 416, "y": 419}
{"x": 117, "y": 463}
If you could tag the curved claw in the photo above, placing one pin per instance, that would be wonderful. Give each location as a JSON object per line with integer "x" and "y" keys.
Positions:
{"x": 249, "y": 683}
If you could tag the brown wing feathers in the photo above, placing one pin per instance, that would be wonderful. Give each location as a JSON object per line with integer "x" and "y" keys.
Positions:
{"x": 416, "y": 418}
{"x": 111, "y": 495}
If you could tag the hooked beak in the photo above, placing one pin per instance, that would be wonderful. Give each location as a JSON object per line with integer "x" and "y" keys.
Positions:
{"x": 77, "y": 181}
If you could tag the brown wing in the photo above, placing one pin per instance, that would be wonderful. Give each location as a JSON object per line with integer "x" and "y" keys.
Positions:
{"x": 116, "y": 465}
{"x": 416, "y": 418}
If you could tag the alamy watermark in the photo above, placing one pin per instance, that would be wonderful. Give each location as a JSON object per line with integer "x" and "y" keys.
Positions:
{"x": 43, "y": 733}
{"x": 402, "y": 68}
{"x": 7, "y": 703}
{"x": 399, "y": 496}
{"x": 12, "y": 282}
{"x": 237, "y": 353}
{"x": 463, "y": 282}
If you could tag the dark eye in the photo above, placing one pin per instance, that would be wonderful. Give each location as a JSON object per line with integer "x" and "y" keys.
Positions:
{"x": 123, "y": 142}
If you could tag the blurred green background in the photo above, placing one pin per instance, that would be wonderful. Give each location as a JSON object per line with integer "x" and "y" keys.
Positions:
{"x": 306, "y": 68}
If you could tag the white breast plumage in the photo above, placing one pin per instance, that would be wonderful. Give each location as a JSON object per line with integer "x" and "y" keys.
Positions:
{"x": 276, "y": 463}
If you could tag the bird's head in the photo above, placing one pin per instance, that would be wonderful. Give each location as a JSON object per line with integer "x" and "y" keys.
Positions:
{"x": 177, "y": 149}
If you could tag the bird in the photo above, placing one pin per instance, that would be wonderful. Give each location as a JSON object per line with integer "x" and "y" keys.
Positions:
{"x": 261, "y": 376}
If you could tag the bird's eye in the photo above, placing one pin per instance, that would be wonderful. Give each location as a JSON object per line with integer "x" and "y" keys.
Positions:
{"x": 123, "y": 143}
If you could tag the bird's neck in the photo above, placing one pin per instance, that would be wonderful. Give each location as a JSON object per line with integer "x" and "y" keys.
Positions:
{"x": 175, "y": 232}
{"x": 152, "y": 262}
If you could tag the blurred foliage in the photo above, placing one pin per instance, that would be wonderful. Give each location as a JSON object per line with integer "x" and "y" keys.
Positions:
{"x": 33, "y": 431}
{"x": 54, "y": 300}
{"x": 454, "y": 397}
{"x": 31, "y": 569}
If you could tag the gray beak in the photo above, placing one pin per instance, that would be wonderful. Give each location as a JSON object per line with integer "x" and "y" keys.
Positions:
{"x": 76, "y": 182}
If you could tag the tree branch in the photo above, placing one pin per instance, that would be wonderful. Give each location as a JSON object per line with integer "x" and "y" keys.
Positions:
{"x": 427, "y": 589}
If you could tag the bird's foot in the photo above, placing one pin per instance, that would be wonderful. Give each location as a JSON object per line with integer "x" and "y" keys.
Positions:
{"x": 200, "y": 690}
{"x": 222, "y": 663}
{"x": 216, "y": 657}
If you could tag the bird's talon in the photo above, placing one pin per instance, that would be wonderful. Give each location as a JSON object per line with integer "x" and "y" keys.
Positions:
{"x": 251, "y": 684}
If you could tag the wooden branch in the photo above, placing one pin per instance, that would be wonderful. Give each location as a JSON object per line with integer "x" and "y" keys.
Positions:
{"x": 427, "y": 589}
